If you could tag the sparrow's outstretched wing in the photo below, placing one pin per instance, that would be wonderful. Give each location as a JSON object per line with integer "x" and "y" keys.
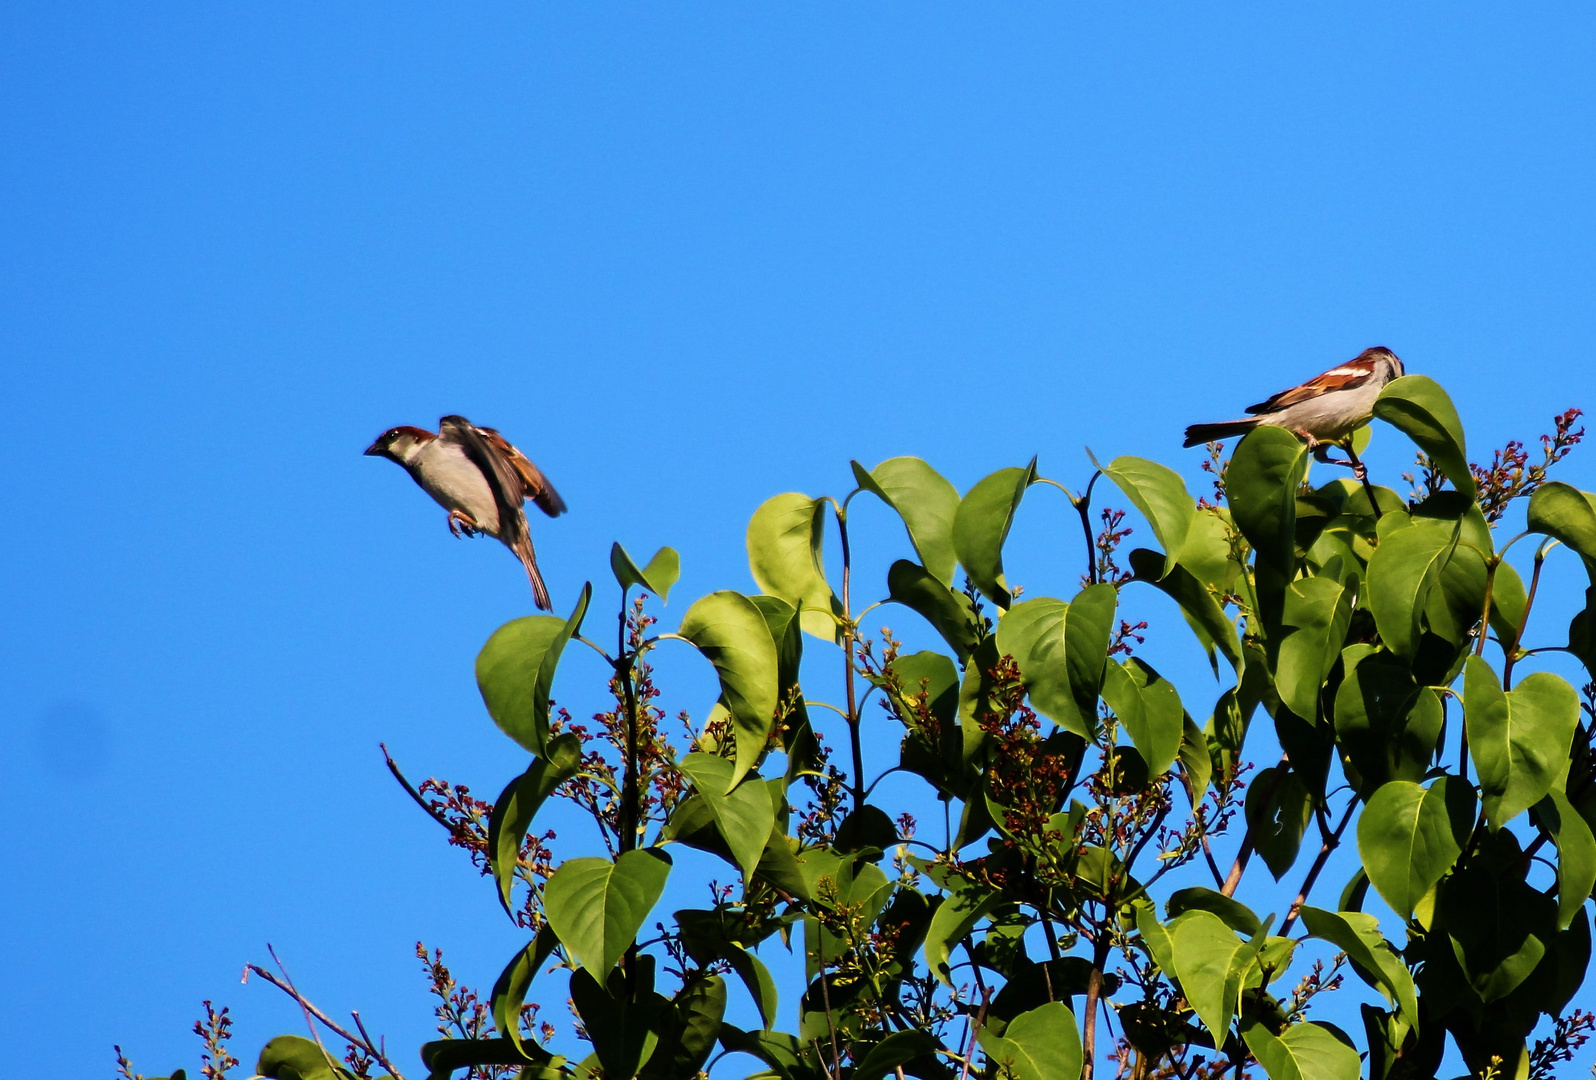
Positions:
{"x": 1353, "y": 373}
{"x": 534, "y": 485}
{"x": 508, "y": 484}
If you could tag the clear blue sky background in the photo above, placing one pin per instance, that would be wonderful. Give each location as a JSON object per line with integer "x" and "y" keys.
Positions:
{"x": 687, "y": 256}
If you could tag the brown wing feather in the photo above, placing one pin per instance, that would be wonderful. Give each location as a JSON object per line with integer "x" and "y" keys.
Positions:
{"x": 487, "y": 450}
{"x": 534, "y": 485}
{"x": 1348, "y": 375}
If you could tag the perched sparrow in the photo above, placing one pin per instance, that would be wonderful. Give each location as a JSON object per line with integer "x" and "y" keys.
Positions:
{"x": 475, "y": 474}
{"x": 1323, "y": 409}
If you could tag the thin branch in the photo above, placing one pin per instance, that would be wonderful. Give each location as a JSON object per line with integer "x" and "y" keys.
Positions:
{"x": 1331, "y": 842}
{"x": 432, "y": 812}
{"x": 286, "y": 985}
{"x": 975, "y": 1031}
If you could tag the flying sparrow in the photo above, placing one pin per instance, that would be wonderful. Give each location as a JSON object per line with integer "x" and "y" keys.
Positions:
{"x": 475, "y": 474}
{"x": 1324, "y": 409}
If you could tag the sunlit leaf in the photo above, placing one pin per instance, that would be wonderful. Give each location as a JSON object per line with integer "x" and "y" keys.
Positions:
{"x": 1402, "y": 571}
{"x": 1519, "y": 740}
{"x": 1160, "y": 495}
{"x": 655, "y": 578}
{"x": 1149, "y": 707}
{"x": 732, "y": 634}
{"x": 1358, "y": 935}
{"x": 1062, "y": 650}
{"x": 925, "y": 501}
{"x": 965, "y": 905}
{"x": 1207, "y": 618}
{"x": 981, "y": 525}
{"x": 1409, "y": 837}
{"x": 1576, "y": 854}
{"x": 1306, "y": 1051}
{"x": 743, "y": 813}
{"x": 1211, "y": 963}
{"x": 948, "y": 612}
{"x": 1042, "y": 1044}
{"x": 597, "y": 906}
{"x": 785, "y": 537}
{"x": 1318, "y": 610}
{"x": 1418, "y": 407}
{"x": 515, "y": 672}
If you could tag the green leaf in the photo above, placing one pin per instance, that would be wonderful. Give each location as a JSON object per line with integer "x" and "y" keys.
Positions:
{"x": 925, "y": 501}
{"x": 1211, "y": 963}
{"x": 1062, "y": 650}
{"x": 697, "y": 1012}
{"x": 756, "y": 977}
{"x": 1358, "y": 935}
{"x": 1208, "y": 620}
{"x": 1387, "y": 724}
{"x": 1042, "y": 1044}
{"x": 1565, "y": 513}
{"x": 624, "y": 1030}
{"x": 948, "y": 612}
{"x": 597, "y": 907}
{"x": 657, "y": 577}
{"x": 1147, "y": 704}
{"x": 1402, "y": 572}
{"x": 1265, "y": 471}
{"x": 1519, "y": 740}
{"x": 515, "y": 672}
{"x": 1409, "y": 837}
{"x": 981, "y": 525}
{"x": 1195, "y": 763}
{"x": 1498, "y": 925}
{"x": 516, "y": 806}
{"x": 509, "y": 993}
{"x": 1277, "y": 826}
{"x": 965, "y": 905}
{"x": 1576, "y": 854}
{"x": 896, "y": 1050}
{"x": 1160, "y": 495}
{"x": 1418, "y": 407}
{"x": 442, "y": 1057}
{"x": 784, "y": 554}
{"x": 742, "y": 811}
{"x": 290, "y": 1057}
{"x": 1306, "y": 1051}
{"x": 1236, "y": 915}
{"x": 731, "y": 633}
{"x": 1318, "y": 611}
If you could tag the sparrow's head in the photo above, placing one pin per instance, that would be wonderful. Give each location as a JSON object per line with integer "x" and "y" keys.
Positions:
{"x": 400, "y": 444}
{"x": 1386, "y": 364}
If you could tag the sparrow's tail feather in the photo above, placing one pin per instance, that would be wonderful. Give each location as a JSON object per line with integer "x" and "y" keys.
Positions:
{"x": 540, "y": 592}
{"x": 1203, "y": 433}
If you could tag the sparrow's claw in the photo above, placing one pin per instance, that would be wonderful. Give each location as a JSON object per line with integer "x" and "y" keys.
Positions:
{"x": 1361, "y": 471}
{"x": 461, "y": 523}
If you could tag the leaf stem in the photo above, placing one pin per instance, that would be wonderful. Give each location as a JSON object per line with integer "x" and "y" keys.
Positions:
{"x": 849, "y": 637}
{"x": 1529, "y": 602}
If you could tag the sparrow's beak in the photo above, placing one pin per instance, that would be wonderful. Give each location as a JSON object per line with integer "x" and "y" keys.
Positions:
{"x": 376, "y": 449}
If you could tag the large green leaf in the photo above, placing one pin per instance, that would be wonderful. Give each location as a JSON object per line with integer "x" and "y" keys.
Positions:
{"x": 965, "y": 905}
{"x": 784, "y": 553}
{"x": 1211, "y": 963}
{"x": 925, "y": 501}
{"x": 1519, "y": 740}
{"x": 1305, "y": 1051}
{"x": 1499, "y": 927}
{"x": 1042, "y": 1044}
{"x": 1565, "y": 513}
{"x": 1236, "y": 915}
{"x": 509, "y": 993}
{"x": 1318, "y": 610}
{"x": 742, "y": 811}
{"x": 1149, "y": 707}
{"x": 1576, "y": 854}
{"x": 981, "y": 525}
{"x": 519, "y": 802}
{"x": 1418, "y": 407}
{"x": 1265, "y": 471}
{"x": 656, "y": 578}
{"x": 1358, "y": 935}
{"x": 1387, "y": 725}
{"x": 1402, "y": 572}
{"x": 597, "y": 906}
{"x": 1207, "y": 619}
{"x": 732, "y": 634}
{"x": 515, "y": 672}
{"x": 948, "y": 612}
{"x": 1161, "y": 496}
{"x": 296, "y": 1057}
{"x": 1409, "y": 837}
{"x": 1062, "y": 650}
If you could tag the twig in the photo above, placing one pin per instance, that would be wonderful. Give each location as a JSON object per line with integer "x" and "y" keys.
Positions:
{"x": 286, "y": 985}
{"x": 975, "y": 1031}
{"x": 1244, "y": 855}
{"x": 393, "y": 767}
{"x": 1331, "y": 842}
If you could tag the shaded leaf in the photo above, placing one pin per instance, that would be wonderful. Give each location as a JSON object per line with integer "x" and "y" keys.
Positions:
{"x": 948, "y": 612}
{"x": 518, "y": 804}
{"x": 1277, "y": 812}
{"x": 1207, "y": 618}
{"x": 897, "y": 1049}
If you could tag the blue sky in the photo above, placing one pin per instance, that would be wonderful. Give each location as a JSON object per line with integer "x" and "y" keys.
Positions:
{"x": 686, "y": 257}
